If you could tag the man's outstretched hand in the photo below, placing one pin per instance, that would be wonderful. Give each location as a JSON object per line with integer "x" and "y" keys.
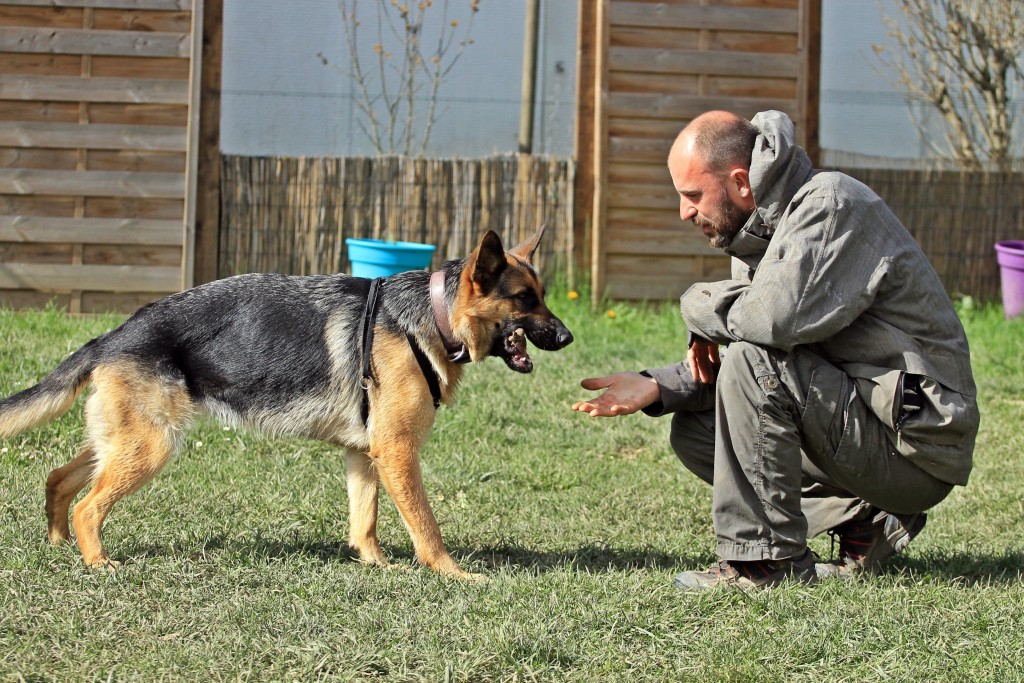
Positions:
{"x": 626, "y": 393}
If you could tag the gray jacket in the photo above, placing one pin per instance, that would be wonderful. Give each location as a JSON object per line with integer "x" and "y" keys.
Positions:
{"x": 823, "y": 262}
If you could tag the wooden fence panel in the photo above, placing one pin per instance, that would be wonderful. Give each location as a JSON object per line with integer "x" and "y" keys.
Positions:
{"x": 292, "y": 215}
{"x": 651, "y": 68}
{"x": 95, "y": 100}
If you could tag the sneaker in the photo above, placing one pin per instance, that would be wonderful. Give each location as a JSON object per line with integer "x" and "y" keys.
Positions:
{"x": 865, "y": 545}
{"x": 753, "y": 574}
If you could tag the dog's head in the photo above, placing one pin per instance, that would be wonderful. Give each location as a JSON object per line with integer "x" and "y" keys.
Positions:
{"x": 500, "y": 304}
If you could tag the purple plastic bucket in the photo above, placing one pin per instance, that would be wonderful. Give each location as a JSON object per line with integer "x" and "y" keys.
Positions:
{"x": 1011, "y": 269}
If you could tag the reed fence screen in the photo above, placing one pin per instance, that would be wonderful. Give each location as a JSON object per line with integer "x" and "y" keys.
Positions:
{"x": 292, "y": 215}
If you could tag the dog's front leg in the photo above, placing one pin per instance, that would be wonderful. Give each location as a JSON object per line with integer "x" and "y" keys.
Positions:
{"x": 362, "y": 506}
{"x": 399, "y": 470}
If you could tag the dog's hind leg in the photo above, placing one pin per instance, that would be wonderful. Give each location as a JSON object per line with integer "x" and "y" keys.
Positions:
{"x": 62, "y": 486}
{"x": 133, "y": 421}
{"x": 362, "y": 504}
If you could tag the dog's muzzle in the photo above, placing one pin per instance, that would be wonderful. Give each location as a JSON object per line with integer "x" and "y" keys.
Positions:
{"x": 549, "y": 335}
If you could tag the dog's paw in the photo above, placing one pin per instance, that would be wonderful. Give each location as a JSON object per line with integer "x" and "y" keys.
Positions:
{"x": 468, "y": 577}
{"x": 369, "y": 554}
{"x": 106, "y": 564}
{"x": 59, "y": 538}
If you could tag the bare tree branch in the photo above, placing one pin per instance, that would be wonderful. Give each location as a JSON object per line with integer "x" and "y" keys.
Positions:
{"x": 350, "y": 24}
{"x": 962, "y": 58}
{"x": 393, "y": 117}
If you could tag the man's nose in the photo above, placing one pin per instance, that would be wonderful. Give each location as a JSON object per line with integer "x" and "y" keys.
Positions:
{"x": 686, "y": 210}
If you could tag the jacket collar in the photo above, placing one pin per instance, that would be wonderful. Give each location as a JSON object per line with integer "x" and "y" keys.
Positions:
{"x": 778, "y": 168}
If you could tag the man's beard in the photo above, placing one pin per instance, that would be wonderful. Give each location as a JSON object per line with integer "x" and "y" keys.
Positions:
{"x": 728, "y": 220}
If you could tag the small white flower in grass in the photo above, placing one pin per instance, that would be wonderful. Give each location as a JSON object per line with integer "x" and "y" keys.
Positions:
{"x": 199, "y": 444}
{"x": 4, "y": 449}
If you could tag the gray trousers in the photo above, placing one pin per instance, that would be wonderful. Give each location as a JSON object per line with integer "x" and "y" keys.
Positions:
{"x": 791, "y": 451}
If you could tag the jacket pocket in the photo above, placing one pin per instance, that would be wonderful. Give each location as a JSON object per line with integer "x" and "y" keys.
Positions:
{"x": 826, "y": 408}
{"x": 879, "y": 388}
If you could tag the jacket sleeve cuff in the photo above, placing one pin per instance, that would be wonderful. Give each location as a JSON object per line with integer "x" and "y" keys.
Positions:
{"x": 678, "y": 391}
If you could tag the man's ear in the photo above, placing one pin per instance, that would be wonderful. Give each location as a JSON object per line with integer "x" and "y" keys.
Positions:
{"x": 527, "y": 249}
{"x": 487, "y": 261}
{"x": 739, "y": 183}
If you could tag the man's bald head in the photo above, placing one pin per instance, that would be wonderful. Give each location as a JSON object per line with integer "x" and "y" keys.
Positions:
{"x": 721, "y": 140}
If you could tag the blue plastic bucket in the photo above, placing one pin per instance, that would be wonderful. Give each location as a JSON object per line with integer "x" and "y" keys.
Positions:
{"x": 380, "y": 258}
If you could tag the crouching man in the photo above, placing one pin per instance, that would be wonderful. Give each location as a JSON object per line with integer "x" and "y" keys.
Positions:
{"x": 844, "y": 401}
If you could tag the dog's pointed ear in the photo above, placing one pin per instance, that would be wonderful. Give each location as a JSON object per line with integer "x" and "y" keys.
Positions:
{"x": 527, "y": 249}
{"x": 487, "y": 261}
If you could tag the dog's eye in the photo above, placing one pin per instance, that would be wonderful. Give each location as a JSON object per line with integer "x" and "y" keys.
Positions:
{"x": 527, "y": 296}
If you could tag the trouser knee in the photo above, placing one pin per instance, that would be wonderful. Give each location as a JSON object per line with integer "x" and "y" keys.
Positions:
{"x": 746, "y": 359}
{"x": 693, "y": 439}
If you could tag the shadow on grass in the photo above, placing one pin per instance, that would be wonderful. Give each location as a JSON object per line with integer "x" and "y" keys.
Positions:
{"x": 961, "y": 568}
{"x": 591, "y": 558}
{"x": 967, "y": 569}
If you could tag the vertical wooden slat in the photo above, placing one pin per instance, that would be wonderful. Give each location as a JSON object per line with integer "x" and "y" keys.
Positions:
{"x": 81, "y": 164}
{"x": 597, "y": 255}
{"x": 809, "y": 80}
{"x": 196, "y": 81}
{"x": 206, "y": 241}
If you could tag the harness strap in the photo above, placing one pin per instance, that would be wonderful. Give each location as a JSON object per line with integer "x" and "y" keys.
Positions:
{"x": 433, "y": 381}
{"x": 366, "y": 326}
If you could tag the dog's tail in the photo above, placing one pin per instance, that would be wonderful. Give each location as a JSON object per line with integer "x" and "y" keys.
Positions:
{"x": 52, "y": 397}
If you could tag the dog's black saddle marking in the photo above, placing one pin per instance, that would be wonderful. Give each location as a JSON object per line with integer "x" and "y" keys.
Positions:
{"x": 366, "y": 372}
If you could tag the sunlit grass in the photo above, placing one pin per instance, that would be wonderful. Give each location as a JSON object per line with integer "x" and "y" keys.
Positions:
{"x": 236, "y": 566}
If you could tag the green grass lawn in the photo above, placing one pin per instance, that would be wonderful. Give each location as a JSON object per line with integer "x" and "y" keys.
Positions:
{"x": 236, "y": 566}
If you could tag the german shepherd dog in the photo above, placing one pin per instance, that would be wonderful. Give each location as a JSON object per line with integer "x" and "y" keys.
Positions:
{"x": 310, "y": 356}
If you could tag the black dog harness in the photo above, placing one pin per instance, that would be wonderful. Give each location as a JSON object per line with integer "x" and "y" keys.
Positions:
{"x": 366, "y": 372}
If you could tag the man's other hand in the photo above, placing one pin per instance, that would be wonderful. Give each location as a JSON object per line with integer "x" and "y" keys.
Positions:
{"x": 704, "y": 361}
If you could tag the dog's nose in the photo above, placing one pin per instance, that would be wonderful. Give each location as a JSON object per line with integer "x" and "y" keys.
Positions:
{"x": 564, "y": 337}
